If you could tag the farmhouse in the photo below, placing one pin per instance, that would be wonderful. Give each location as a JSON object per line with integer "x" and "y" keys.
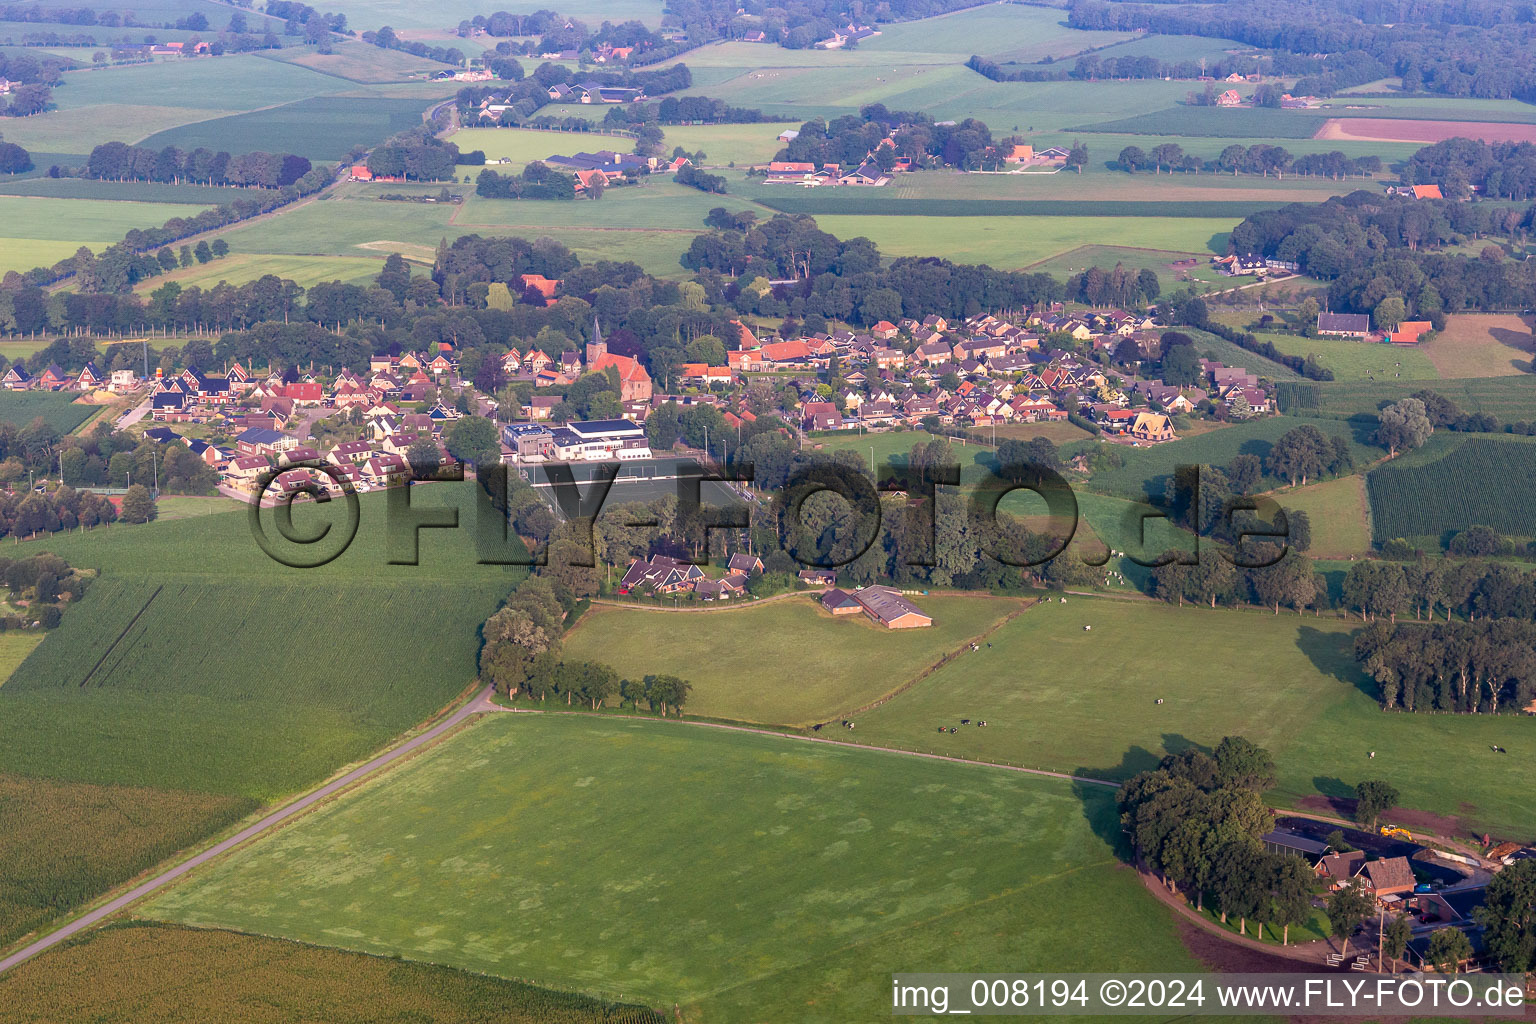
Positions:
{"x": 1344, "y": 325}
{"x": 661, "y": 574}
{"x": 1389, "y": 876}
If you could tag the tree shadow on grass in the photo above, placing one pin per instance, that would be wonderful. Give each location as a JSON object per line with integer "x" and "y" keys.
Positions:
{"x": 1098, "y": 802}
{"x": 1333, "y": 655}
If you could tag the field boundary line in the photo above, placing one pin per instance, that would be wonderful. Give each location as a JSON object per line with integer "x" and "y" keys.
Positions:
{"x": 945, "y": 659}
{"x": 113, "y": 645}
{"x": 299, "y": 805}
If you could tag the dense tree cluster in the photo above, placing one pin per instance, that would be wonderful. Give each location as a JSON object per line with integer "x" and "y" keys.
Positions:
{"x": 681, "y": 110}
{"x": 1454, "y": 48}
{"x": 14, "y": 159}
{"x": 1196, "y": 820}
{"x": 702, "y": 180}
{"x": 1500, "y": 170}
{"x": 914, "y": 136}
{"x": 1451, "y": 666}
{"x": 416, "y": 155}
{"x": 1114, "y": 288}
{"x": 1262, "y": 159}
{"x": 1475, "y": 590}
{"x": 536, "y": 181}
{"x": 118, "y": 161}
{"x": 1371, "y": 247}
{"x": 846, "y": 280}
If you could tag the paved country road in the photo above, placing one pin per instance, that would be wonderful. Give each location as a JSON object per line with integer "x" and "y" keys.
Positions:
{"x": 479, "y": 704}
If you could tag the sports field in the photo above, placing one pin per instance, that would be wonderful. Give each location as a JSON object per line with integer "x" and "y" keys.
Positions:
{"x": 735, "y": 657}
{"x": 529, "y": 847}
{"x": 1009, "y": 243}
{"x": 1057, "y": 696}
{"x": 165, "y": 974}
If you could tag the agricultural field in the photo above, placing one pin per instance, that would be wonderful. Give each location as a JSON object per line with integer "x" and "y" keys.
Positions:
{"x": 1159, "y": 261}
{"x": 1480, "y": 345}
{"x": 1355, "y": 360}
{"x": 410, "y": 15}
{"x": 360, "y": 62}
{"x": 146, "y": 973}
{"x": 1009, "y": 243}
{"x": 1215, "y": 123}
{"x": 733, "y": 144}
{"x": 41, "y": 231}
{"x": 1004, "y": 32}
{"x": 1339, "y": 513}
{"x": 58, "y": 409}
{"x": 1511, "y": 399}
{"x": 1420, "y": 132}
{"x": 523, "y": 145}
{"x": 1453, "y": 482}
{"x": 66, "y": 841}
{"x": 120, "y": 191}
{"x": 306, "y": 271}
{"x": 528, "y": 847}
{"x": 321, "y": 127}
{"x": 720, "y": 653}
{"x": 1146, "y": 471}
{"x": 1057, "y": 696}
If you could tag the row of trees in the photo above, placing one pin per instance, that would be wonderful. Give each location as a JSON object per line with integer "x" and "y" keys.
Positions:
{"x": 1262, "y": 159}
{"x": 1430, "y": 587}
{"x": 1451, "y": 666}
{"x": 118, "y": 161}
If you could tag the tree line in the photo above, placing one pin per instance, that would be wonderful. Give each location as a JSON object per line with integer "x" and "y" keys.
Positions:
{"x": 536, "y": 181}
{"x": 1462, "y": 667}
{"x": 1262, "y": 159}
{"x": 118, "y": 161}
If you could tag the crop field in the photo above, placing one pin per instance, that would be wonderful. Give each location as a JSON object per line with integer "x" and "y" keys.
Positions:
{"x": 357, "y": 61}
{"x": 410, "y": 14}
{"x": 1108, "y": 256}
{"x": 1424, "y": 133}
{"x": 734, "y": 657}
{"x": 143, "y": 973}
{"x": 321, "y": 128}
{"x": 861, "y": 202}
{"x": 241, "y": 82}
{"x": 724, "y": 144}
{"x": 1055, "y": 695}
{"x": 22, "y": 254}
{"x": 528, "y": 847}
{"x": 120, "y": 191}
{"x": 521, "y": 145}
{"x": 1003, "y": 31}
{"x": 1216, "y": 123}
{"x": 67, "y": 219}
{"x": 1509, "y": 398}
{"x": 1009, "y": 243}
{"x": 307, "y": 271}
{"x": 1146, "y": 471}
{"x": 1453, "y": 482}
{"x": 1480, "y": 345}
{"x": 1338, "y": 512}
{"x": 58, "y": 409}
{"x": 64, "y": 842}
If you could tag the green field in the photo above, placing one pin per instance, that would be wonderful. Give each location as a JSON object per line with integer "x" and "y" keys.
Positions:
{"x": 408, "y": 14}
{"x": 41, "y": 231}
{"x": 306, "y": 271}
{"x": 534, "y": 847}
{"x": 521, "y": 145}
{"x": 358, "y": 61}
{"x": 1509, "y": 398}
{"x": 121, "y": 191}
{"x": 724, "y": 144}
{"x": 1146, "y": 470}
{"x": 164, "y": 974}
{"x": 57, "y": 408}
{"x": 1338, "y": 512}
{"x": 1008, "y": 243}
{"x": 1453, "y": 482}
{"x": 720, "y": 653}
{"x": 1056, "y": 696}
{"x": 1216, "y": 123}
{"x": 1349, "y": 360}
{"x": 1002, "y": 31}
{"x": 321, "y": 128}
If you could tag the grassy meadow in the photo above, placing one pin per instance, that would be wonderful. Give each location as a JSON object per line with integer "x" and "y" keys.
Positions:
{"x": 1057, "y": 696}
{"x": 39, "y": 231}
{"x": 529, "y": 847}
{"x": 847, "y": 661}
{"x": 1339, "y": 513}
{"x": 318, "y": 127}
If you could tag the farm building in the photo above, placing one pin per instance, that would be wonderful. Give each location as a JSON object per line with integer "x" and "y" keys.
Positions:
{"x": 888, "y": 607}
{"x": 841, "y": 602}
{"x": 1344, "y": 325}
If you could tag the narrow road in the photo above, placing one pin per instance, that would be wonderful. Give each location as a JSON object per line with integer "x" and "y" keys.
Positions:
{"x": 133, "y": 415}
{"x": 480, "y": 703}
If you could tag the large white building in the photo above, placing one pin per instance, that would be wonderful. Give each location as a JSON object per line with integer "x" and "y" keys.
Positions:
{"x": 600, "y": 441}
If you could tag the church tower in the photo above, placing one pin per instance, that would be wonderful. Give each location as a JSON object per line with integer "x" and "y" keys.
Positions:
{"x": 597, "y": 347}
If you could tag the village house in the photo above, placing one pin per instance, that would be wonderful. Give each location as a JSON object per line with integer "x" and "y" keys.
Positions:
{"x": 1344, "y": 325}
{"x": 661, "y": 574}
